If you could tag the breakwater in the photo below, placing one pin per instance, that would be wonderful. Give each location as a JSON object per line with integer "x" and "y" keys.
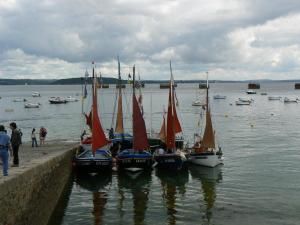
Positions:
{"x": 30, "y": 193}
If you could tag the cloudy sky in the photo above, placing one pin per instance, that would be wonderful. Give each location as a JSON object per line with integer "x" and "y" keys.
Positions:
{"x": 232, "y": 39}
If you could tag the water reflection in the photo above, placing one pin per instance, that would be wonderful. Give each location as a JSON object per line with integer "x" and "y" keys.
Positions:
{"x": 172, "y": 183}
{"x": 139, "y": 186}
{"x": 96, "y": 184}
{"x": 209, "y": 177}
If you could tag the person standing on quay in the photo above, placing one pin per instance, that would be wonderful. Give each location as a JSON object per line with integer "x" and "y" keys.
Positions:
{"x": 33, "y": 138}
{"x": 43, "y": 133}
{"x": 4, "y": 147}
{"x": 16, "y": 141}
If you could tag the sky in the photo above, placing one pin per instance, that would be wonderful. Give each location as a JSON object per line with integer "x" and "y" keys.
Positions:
{"x": 231, "y": 40}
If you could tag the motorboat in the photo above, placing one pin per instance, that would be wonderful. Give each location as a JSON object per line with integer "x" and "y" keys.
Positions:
{"x": 71, "y": 99}
{"x": 20, "y": 100}
{"x": 219, "y": 97}
{"x": 198, "y": 103}
{"x": 272, "y": 98}
{"x": 250, "y": 92}
{"x": 242, "y": 102}
{"x": 31, "y": 105}
{"x": 36, "y": 94}
{"x": 57, "y": 100}
{"x": 288, "y": 100}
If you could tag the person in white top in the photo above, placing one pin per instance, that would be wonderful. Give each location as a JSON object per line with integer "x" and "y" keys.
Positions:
{"x": 33, "y": 138}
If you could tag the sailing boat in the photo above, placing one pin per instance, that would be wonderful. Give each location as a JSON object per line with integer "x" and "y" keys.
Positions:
{"x": 204, "y": 151}
{"x": 168, "y": 156}
{"x": 136, "y": 158}
{"x": 94, "y": 157}
{"x": 119, "y": 138}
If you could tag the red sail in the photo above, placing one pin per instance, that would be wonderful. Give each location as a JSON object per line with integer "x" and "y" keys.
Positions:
{"x": 170, "y": 123}
{"x": 163, "y": 133}
{"x": 140, "y": 140}
{"x": 98, "y": 136}
{"x": 177, "y": 126}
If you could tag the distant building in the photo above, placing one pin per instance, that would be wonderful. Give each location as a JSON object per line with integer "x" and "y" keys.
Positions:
{"x": 253, "y": 86}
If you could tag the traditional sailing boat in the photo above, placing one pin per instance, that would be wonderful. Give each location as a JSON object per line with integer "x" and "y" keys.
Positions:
{"x": 136, "y": 158}
{"x": 204, "y": 151}
{"x": 168, "y": 156}
{"x": 119, "y": 138}
{"x": 94, "y": 155}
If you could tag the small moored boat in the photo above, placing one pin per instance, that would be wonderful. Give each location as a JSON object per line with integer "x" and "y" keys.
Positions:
{"x": 198, "y": 103}
{"x": 219, "y": 97}
{"x": 272, "y": 98}
{"x": 71, "y": 99}
{"x": 31, "y": 105}
{"x": 94, "y": 154}
{"x": 288, "y": 100}
{"x": 251, "y": 92}
{"x": 36, "y": 94}
{"x": 138, "y": 157}
{"x": 205, "y": 152}
{"x": 57, "y": 100}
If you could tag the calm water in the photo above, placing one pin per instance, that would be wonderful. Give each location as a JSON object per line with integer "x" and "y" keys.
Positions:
{"x": 258, "y": 184}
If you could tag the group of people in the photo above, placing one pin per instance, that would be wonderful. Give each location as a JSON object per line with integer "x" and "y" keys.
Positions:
{"x": 9, "y": 145}
{"x": 42, "y": 135}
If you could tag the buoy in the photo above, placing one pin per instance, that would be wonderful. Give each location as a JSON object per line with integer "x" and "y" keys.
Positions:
{"x": 252, "y": 125}
{"x": 226, "y": 115}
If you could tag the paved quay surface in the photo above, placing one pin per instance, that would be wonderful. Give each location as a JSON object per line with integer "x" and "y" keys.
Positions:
{"x": 29, "y": 157}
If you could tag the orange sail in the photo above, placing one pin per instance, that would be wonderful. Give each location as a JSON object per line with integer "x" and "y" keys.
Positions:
{"x": 170, "y": 123}
{"x": 177, "y": 126}
{"x": 119, "y": 123}
{"x": 98, "y": 136}
{"x": 208, "y": 140}
{"x": 140, "y": 140}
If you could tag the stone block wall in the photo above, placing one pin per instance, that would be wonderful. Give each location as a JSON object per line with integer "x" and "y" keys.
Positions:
{"x": 30, "y": 197}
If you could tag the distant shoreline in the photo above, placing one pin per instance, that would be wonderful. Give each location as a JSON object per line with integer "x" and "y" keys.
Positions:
{"x": 105, "y": 80}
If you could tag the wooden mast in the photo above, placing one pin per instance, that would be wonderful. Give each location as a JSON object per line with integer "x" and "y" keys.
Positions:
{"x": 119, "y": 123}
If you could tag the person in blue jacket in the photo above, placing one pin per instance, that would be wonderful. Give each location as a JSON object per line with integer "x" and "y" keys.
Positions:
{"x": 4, "y": 147}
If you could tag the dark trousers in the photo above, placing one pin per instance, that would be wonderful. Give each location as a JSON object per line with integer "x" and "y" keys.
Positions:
{"x": 16, "y": 154}
{"x": 33, "y": 142}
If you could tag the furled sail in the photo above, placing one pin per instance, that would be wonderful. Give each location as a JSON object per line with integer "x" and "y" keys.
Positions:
{"x": 140, "y": 140}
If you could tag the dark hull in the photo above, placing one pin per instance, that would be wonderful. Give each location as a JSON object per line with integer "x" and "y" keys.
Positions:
{"x": 92, "y": 165}
{"x": 142, "y": 163}
{"x": 130, "y": 159}
{"x": 170, "y": 162}
{"x": 57, "y": 102}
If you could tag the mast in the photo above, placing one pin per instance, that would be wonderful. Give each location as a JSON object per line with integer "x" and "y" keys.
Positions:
{"x": 98, "y": 136}
{"x": 119, "y": 123}
{"x": 170, "y": 142}
{"x": 177, "y": 126}
{"x": 140, "y": 140}
{"x": 208, "y": 140}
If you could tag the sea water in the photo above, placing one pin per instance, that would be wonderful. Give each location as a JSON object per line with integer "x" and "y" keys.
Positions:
{"x": 258, "y": 183}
